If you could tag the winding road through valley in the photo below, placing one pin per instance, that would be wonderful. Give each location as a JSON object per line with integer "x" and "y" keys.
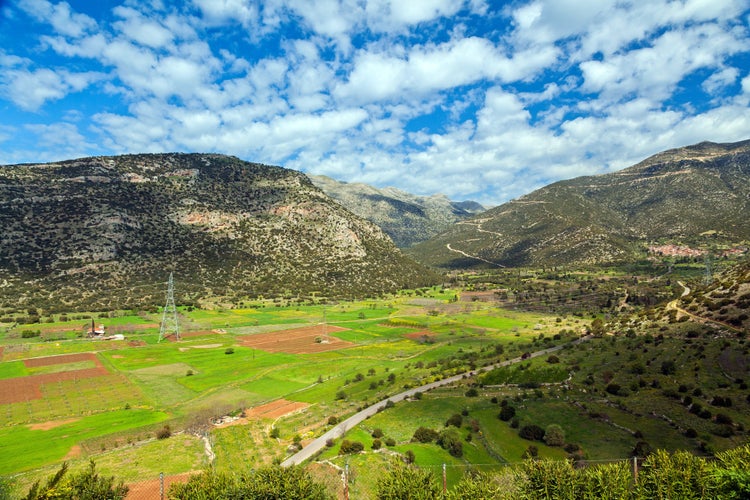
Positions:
{"x": 340, "y": 429}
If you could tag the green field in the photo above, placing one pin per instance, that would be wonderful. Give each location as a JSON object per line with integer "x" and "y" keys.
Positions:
{"x": 398, "y": 342}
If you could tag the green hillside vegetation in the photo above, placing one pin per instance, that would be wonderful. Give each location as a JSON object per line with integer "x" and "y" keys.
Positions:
{"x": 101, "y": 234}
{"x": 695, "y": 196}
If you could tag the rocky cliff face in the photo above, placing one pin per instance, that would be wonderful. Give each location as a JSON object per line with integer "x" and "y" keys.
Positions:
{"x": 408, "y": 219}
{"x": 106, "y": 231}
{"x": 696, "y": 195}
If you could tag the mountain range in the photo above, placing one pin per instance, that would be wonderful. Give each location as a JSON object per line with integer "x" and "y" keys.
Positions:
{"x": 696, "y": 195}
{"x": 105, "y": 232}
{"x": 408, "y": 219}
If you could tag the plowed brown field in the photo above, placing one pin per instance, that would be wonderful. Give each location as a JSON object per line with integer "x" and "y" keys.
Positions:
{"x": 19, "y": 389}
{"x": 298, "y": 340}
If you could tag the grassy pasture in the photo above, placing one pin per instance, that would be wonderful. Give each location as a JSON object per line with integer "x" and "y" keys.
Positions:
{"x": 25, "y": 447}
{"x": 174, "y": 381}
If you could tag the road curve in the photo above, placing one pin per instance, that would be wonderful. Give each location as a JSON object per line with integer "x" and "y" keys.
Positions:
{"x": 340, "y": 429}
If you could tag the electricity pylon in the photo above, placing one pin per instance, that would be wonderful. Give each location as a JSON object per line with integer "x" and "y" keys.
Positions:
{"x": 169, "y": 324}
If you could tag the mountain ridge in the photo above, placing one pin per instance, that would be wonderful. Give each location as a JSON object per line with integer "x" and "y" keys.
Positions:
{"x": 74, "y": 229}
{"x": 684, "y": 194}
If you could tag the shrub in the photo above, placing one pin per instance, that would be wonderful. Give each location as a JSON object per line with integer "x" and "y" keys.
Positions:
{"x": 377, "y": 433}
{"x": 507, "y": 413}
{"x": 424, "y": 435}
{"x": 404, "y": 481}
{"x": 350, "y": 447}
{"x": 390, "y": 442}
{"x": 230, "y": 350}
{"x": 266, "y": 482}
{"x": 455, "y": 420}
{"x": 87, "y": 484}
{"x": 554, "y": 435}
{"x": 613, "y": 389}
{"x": 531, "y": 432}
{"x": 333, "y": 420}
{"x": 472, "y": 393}
{"x": 377, "y": 444}
{"x": 164, "y": 432}
{"x": 450, "y": 441}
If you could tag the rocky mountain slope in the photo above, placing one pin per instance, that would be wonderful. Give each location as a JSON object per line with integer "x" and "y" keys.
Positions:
{"x": 106, "y": 231}
{"x": 697, "y": 195}
{"x": 408, "y": 219}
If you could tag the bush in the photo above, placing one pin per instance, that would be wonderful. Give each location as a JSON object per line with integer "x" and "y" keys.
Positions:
{"x": 455, "y": 420}
{"x": 266, "y": 482}
{"x": 164, "y": 432}
{"x": 404, "y": 481}
{"x": 450, "y": 441}
{"x": 230, "y": 350}
{"x": 507, "y": 413}
{"x": 424, "y": 435}
{"x": 350, "y": 447}
{"x": 472, "y": 393}
{"x": 390, "y": 442}
{"x": 333, "y": 420}
{"x": 377, "y": 444}
{"x": 377, "y": 433}
{"x": 554, "y": 435}
{"x": 531, "y": 432}
{"x": 613, "y": 389}
{"x": 83, "y": 485}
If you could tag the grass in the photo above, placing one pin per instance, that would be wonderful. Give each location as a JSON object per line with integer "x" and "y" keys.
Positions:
{"x": 25, "y": 448}
{"x": 13, "y": 369}
{"x": 153, "y": 381}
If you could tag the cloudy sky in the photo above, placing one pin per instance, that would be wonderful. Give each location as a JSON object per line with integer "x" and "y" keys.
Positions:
{"x": 478, "y": 99}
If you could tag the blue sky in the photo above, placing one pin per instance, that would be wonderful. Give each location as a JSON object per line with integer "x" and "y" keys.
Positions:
{"x": 476, "y": 99}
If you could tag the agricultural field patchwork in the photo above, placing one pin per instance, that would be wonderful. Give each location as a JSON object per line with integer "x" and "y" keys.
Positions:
{"x": 286, "y": 374}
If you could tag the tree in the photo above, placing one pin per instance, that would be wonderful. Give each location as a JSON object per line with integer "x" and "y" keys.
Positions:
{"x": 450, "y": 441}
{"x": 85, "y": 485}
{"x": 424, "y": 435}
{"x": 407, "y": 482}
{"x": 531, "y": 432}
{"x": 554, "y": 435}
{"x": 269, "y": 483}
{"x": 455, "y": 420}
{"x": 350, "y": 447}
{"x": 507, "y": 413}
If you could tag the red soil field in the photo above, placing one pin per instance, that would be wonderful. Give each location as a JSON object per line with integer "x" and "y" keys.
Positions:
{"x": 420, "y": 335}
{"x": 272, "y": 410}
{"x": 298, "y": 340}
{"x": 487, "y": 296}
{"x": 19, "y": 389}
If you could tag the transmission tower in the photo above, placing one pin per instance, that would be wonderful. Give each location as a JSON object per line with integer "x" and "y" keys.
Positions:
{"x": 708, "y": 278}
{"x": 169, "y": 324}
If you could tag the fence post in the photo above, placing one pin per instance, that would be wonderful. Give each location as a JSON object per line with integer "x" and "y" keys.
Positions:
{"x": 445, "y": 480}
{"x": 346, "y": 482}
{"x": 161, "y": 486}
{"x": 635, "y": 470}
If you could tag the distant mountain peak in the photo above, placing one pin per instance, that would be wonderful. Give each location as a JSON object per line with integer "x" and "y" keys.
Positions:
{"x": 405, "y": 217}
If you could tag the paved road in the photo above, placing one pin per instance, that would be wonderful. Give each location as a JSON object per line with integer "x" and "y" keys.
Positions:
{"x": 341, "y": 428}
